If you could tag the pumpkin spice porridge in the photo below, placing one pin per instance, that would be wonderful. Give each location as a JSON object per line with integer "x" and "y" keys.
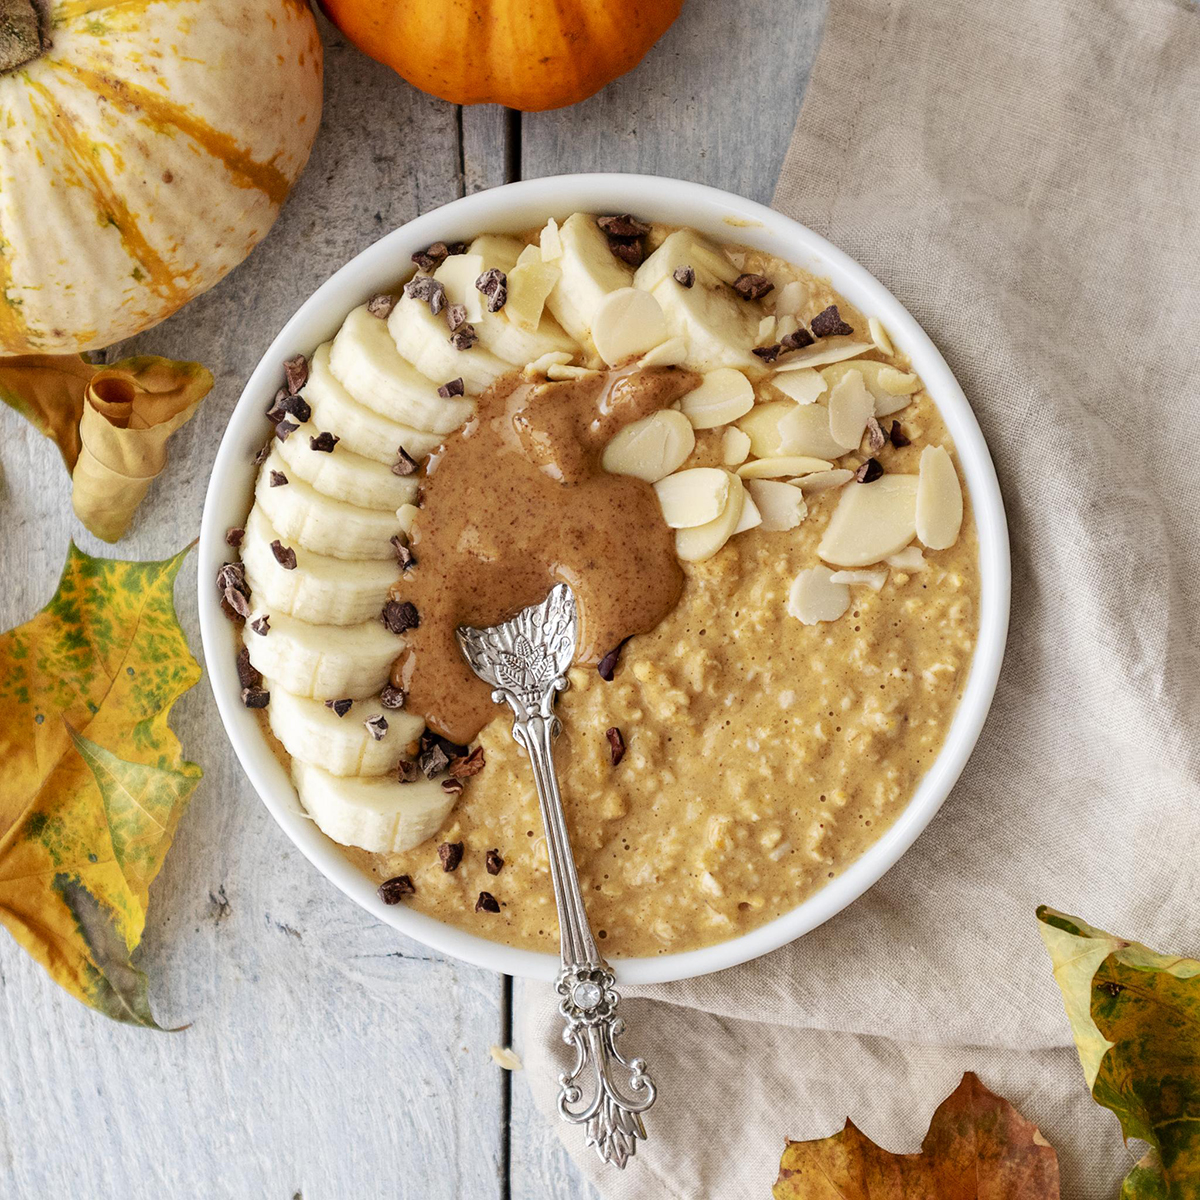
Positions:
{"x": 757, "y": 506}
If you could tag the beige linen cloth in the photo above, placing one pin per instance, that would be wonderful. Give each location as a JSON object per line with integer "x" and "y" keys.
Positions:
{"x": 1025, "y": 177}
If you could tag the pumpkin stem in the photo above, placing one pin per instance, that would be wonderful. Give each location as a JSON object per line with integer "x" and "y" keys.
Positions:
{"x": 20, "y": 36}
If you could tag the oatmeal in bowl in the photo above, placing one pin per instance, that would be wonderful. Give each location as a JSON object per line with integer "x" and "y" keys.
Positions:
{"x": 758, "y": 504}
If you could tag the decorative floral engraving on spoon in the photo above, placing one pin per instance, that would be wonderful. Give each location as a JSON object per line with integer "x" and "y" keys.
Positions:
{"x": 525, "y": 660}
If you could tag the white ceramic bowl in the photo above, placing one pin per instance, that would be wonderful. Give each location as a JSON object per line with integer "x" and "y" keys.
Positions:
{"x": 525, "y": 205}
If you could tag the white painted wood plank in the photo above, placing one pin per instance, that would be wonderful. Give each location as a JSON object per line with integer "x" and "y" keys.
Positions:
{"x": 715, "y": 101}
{"x": 327, "y": 1056}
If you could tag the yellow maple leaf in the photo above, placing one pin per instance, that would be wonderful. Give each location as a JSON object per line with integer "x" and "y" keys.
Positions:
{"x": 92, "y": 781}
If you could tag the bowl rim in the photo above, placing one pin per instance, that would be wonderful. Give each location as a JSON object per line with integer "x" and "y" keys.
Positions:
{"x": 512, "y": 207}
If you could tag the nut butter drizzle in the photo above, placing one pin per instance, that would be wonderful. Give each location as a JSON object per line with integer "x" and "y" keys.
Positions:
{"x": 517, "y": 501}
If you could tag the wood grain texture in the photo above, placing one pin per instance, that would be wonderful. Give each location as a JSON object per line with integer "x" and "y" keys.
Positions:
{"x": 327, "y": 1056}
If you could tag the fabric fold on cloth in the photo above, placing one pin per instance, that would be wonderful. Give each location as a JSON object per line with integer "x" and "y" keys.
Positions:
{"x": 1024, "y": 178}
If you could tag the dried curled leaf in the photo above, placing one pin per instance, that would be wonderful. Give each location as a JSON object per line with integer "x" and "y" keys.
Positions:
{"x": 110, "y": 423}
{"x": 1135, "y": 1015}
{"x": 92, "y": 783}
{"x": 977, "y": 1145}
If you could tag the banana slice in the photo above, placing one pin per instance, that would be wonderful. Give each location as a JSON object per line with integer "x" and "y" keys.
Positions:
{"x": 590, "y": 271}
{"x": 506, "y": 339}
{"x": 424, "y": 340}
{"x": 939, "y": 499}
{"x": 321, "y": 590}
{"x": 723, "y": 396}
{"x": 718, "y": 326}
{"x": 314, "y": 733}
{"x": 361, "y": 429}
{"x": 319, "y": 523}
{"x": 693, "y": 497}
{"x": 365, "y": 361}
{"x": 627, "y": 323}
{"x": 703, "y": 541}
{"x": 344, "y": 475}
{"x": 871, "y": 521}
{"x": 651, "y": 448}
{"x": 850, "y": 404}
{"x": 781, "y": 505}
{"x": 684, "y": 248}
{"x": 324, "y": 661}
{"x": 375, "y": 813}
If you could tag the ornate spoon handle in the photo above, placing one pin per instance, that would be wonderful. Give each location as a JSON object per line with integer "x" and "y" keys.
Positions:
{"x": 525, "y": 660}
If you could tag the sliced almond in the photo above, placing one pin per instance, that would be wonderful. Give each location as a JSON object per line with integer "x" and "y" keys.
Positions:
{"x": 735, "y": 447}
{"x": 539, "y": 366}
{"x": 693, "y": 497}
{"x": 559, "y": 372}
{"x": 805, "y": 430}
{"x": 871, "y": 521}
{"x": 406, "y": 514}
{"x": 703, "y": 541}
{"x": 779, "y": 466}
{"x": 551, "y": 242}
{"x": 751, "y": 518}
{"x": 873, "y": 579}
{"x": 723, "y": 396}
{"x": 939, "y": 499}
{"x": 803, "y": 386}
{"x": 827, "y": 350}
{"x": 766, "y": 331}
{"x": 457, "y": 275}
{"x": 822, "y": 481}
{"x": 651, "y": 448}
{"x": 671, "y": 353}
{"x": 880, "y": 337}
{"x": 712, "y": 260}
{"x": 813, "y": 597}
{"x": 529, "y": 283}
{"x": 627, "y": 322}
{"x": 850, "y": 404}
{"x": 911, "y": 558}
{"x": 791, "y": 298}
{"x": 785, "y": 325}
{"x": 781, "y": 505}
{"x": 888, "y": 399}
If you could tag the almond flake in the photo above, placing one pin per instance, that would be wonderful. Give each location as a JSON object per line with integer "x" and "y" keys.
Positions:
{"x": 627, "y": 323}
{"x": 880, "y": 337}
{"x": 823, "y": 481}
{"x": 850, "y": 404}
{"x": 651, "y": 448}
{"x": 406, "y": 514}
{"x": 910, "y": 558}
{"x": 551, "y": 242}
{"x": 671, "y": 353}
{"x": 939, "y": 508}
{"x": 791, "y": 298}
{"x": 751, "y": 518}
{"x": 540, "y": 366}
{"x": 778, "y": 467}
{"x": 703, "y": 541}
{"x": 873, "y": 579}
{"x": 557, "y": 372}
{"x": 872, "y": 522}
{"x": 814, "y": 597}
{"x": 693, "y": 497}
{"x": 735, "y": 447}
{"x": 781, "y": 504}
{"x": 506, "y": 1057}
{"x": 803, "y": 386}
{"x": 827, "y": 350}
{"x": 723, "y": 396}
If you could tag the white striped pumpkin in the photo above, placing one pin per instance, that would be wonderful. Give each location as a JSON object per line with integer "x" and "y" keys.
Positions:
{"x": 144, "y": 152}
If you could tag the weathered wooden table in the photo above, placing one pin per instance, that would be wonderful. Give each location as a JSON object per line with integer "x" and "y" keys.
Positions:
{"x": 327, "y": 1057}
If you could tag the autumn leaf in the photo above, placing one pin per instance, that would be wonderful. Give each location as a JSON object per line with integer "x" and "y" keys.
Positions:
{"x": 977, "y": 1145}
{"x": 1135, "y": 1015}
{"x": 92, "y": 782}
{"x": 111, "y": 424}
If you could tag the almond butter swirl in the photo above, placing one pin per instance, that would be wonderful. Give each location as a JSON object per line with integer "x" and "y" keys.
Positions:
{"x": 517, "y": 501}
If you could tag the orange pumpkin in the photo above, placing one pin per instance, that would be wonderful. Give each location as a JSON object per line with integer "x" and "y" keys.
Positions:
{"x": 526, "y": 54}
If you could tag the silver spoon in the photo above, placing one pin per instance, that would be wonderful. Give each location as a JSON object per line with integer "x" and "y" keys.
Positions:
{"x": 526, "y": 660}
